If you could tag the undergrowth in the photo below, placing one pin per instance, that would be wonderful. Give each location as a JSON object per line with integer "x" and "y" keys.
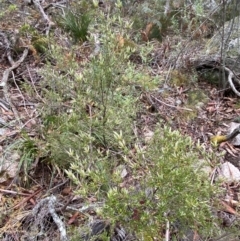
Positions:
{"x": 90, "y": 125}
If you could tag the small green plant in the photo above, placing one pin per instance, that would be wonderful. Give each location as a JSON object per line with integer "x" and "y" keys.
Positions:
{"x": 77, "y": 25}
{"x": 85, "y": 109}
{"x": 29, "y": 149}
{"x": 90, "y": 129}
{"x": 39, "y": 42}
{"x": 7, "y": 10}
{"x": 168, "y": 188}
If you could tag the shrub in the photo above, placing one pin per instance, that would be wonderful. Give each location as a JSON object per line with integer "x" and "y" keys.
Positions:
{"x": 77, "y": 25}
{"x": 168, "y": 188}
{"x": 90, "y": 131}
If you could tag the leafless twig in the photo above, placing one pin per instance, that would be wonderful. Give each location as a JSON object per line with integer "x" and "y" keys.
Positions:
{"x": 13, "y": 192}
{"x": 172, "y": 106}
{"x": 7, "y": 47}
{"x": 4, "y": 85}
{"x": 230, "y": 81}
{"x": 33, "y": 85}
{"x": 167, "y": 233}
{"x": 62, "y": 229}
{"x": 44, "y": 15}
{"x": 42, "y": 209}
{"x": 23, "y": 99}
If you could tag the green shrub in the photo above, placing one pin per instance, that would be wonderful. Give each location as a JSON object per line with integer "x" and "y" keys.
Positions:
{"x": 168, "y": 188}
{"x": 77, "y": 25}
{"x": 85, "y": 109}
{"x": 90, "y": 128}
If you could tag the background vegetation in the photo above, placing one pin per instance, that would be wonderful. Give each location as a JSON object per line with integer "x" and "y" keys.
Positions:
{"x": 90, "y": 105}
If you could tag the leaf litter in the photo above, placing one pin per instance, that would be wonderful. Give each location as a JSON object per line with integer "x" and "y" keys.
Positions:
{"x": 199, "y": 121}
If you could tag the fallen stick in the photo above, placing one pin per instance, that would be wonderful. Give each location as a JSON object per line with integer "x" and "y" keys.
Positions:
{"x": 4, "y": 85}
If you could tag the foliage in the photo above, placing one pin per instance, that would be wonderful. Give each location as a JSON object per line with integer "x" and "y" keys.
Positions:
{"x": 89, "y": 119}
{"x": 11, "y": 8}
{"x": 181, "y": 18}
{"x": 85, "y": 109}
{"x": 77, "y": 25}
{"x": 29, "y": 150}
{"x": 39, "y": 43}
{"x": 88, "y": 126}
{"x": 169, "y": 188}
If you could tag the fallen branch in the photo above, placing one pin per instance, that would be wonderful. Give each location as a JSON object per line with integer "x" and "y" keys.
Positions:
{"x": 172, "y": 106}
{"x": 44, "y": 15}
{"x": 7, "y": 47}
{"x": 57, "y": 220}
{"x": 5, "y": 80}
{"x": 56, "y": 5}
{"x": 231, "y": 74}
{"x": 230, "y": 81}
{"x": 25, "y": 200}
{"x": 42, "y": 209}
{"x": 13, "y": 192}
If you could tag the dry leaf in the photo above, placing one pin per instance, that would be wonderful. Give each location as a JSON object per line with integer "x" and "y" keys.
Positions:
{"x": 146, "y": 32}
{"x": 120, "y": 41}
{"x": 228, "y": 208}
{"x": 73, "y": 218}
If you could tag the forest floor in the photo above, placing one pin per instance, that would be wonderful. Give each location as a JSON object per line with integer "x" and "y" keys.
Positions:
{"x": 198, "y": 110}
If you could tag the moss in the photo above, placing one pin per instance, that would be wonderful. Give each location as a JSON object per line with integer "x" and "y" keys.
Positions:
{"x": 179, "y": 79}
{"x": 196, "y": 98}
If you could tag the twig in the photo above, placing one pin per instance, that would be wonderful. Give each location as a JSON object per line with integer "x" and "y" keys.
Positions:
{"x": 40, "y": 211}
{"x": 14, "y": 66}
{"x": 173, "y": 106}
{"x": 57, "y": 220}
{"x": 12, "y": 133}
{"x": 23, "y": 99}
{"x": 56, "y": 5}
{"x": 230, "y": 77}
{"x": 85, "y": 209}
{"x": 4, "y": 105}
{"x": 5, "y": 86}
{"x": 7, "y": 47}
{"x": 213, "y": 175}
{"x": 44, "y": 15}
{"x": 167, "y": 233}
{"x": 27, "y": 199}
{"x": 29, "y": 120}
{"x": 33, "y": 85}
{"x": 59, "y": 185}
{"x": 13, "y": 192}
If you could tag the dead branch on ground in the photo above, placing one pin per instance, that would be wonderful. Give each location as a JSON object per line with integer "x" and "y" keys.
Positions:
{"x": 4, "y": 81}
{"x": 230, "y": 81}
{"x": 44, "y": 15}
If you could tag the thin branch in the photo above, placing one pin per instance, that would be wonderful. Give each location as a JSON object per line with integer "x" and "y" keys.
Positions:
{"x": 44, "y": 15}
{"x": 7, "y": 47}
{"x": 60, "y": 224}
{"x": 23, "y": 99}
{"x": 14, "y": 66}
{"x": 25, "y": 200}
{"x": 56, "y": 5}
{"x": 172, "y": 106}
{"x": 33, "y": 85}
{"x": 43, "y": 208}
{"x": 167, "y": 233}
{"x": 230, "y": 77}
{"x": 14, "y": 192}
{"x": 5, "y": 86}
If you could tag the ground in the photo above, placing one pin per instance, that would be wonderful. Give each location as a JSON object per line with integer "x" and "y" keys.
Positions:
{"x": 196, "y": 108}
